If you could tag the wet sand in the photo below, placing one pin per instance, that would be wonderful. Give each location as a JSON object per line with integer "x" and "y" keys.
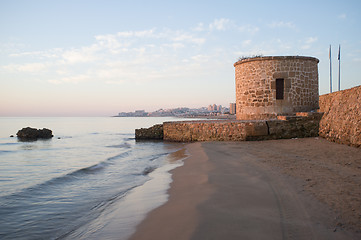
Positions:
{"x": 282, "y": 189}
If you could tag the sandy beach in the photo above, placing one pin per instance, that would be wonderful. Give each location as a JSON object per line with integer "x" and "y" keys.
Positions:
{"x": 281, "y": 189}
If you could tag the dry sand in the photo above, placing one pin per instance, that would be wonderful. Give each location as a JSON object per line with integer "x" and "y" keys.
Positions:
{"x": 280, "y": 189}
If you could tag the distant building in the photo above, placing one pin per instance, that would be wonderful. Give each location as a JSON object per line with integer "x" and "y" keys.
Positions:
{"x": 215, "y": 108}
{"x": 140, "y": 113}
{"x": 232, "y": 108}
{"x": 211, "y": 110}
{"x": 122, "y": 114}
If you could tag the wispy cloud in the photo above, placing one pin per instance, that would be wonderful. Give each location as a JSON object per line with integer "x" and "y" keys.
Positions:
{"x": 250, "y": 29}
{"x": 71, "y": 79}
{"x": 199, "y": 28}
{"x": 308, "y": 42}
{"x": 282, "y": 24}
{"x": 51, "y": 53}
{"x": 83, "y": 55}
{"x": 128, "y": 57}
{"x": 246, "y": 42}
{"x": 120, "y": 57}
{"x": 180, "y": 36}
{"x": 27, "y": 67}
{"x": 220, "y": 24}
{"x": 139, "y": 34}
{"x": 311, "y": 40}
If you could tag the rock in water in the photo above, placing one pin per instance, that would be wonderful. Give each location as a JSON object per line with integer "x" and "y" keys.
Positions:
{"x": 30, "y": 134}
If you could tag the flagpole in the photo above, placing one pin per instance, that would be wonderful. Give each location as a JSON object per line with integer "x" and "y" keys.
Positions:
{"x": 339, "y": 67}
{"x": 329, "y": 56}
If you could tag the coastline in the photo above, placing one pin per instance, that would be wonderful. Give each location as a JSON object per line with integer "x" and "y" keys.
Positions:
{"x": 261, "y": 190}
{"x": 178, "y": 217}
{"x": 120, "y": 218}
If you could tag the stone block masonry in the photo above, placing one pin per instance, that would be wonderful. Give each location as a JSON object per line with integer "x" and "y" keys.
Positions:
{"x": 275, "y": 85}
{"x": 341, "y": 121}
{"x": 303, "y": 125}
{"x": 213, "y": 130}
{"x": 153, "y": 133}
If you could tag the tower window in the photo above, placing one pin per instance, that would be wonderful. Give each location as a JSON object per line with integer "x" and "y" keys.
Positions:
{"x": 280, "y": 83}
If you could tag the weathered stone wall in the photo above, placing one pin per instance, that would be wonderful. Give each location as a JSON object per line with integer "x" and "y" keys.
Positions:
{"x": 154, "y": 133}
{"x": 256, "y": 86}
{"x": 305, "y": 125}
{"x": 341, "y": 121}
{"x": 215, "y": 130}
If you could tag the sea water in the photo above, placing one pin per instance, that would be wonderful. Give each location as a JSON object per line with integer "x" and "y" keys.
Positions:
{"x": 92, "y": 180}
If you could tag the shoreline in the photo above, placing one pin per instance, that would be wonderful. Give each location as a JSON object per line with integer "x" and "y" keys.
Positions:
{"x": 120, "y": 218}
{"x": 261, "y": 190}
{"x": 188, "y": 189}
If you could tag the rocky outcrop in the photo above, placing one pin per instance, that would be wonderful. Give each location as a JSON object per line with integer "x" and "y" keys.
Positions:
{"x": 32, "y": 134}
{"x": 341, "y": 121}
{"x": 153, "y": 133}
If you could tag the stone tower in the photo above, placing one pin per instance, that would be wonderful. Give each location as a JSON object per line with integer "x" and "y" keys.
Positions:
{"x": 278, "y": 85}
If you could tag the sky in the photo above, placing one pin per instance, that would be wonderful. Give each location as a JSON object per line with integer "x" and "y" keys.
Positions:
{"x": 98, "y": 58}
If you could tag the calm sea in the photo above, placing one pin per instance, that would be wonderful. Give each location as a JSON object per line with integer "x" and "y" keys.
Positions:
{"x": 92, "y": 180}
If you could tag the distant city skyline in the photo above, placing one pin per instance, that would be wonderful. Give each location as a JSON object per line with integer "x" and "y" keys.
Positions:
{"x": 212, "y": 109}
{"x": 97, "y": 58}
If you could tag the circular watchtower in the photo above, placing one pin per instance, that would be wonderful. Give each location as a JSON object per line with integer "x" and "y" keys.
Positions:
{"x": 275, "y": 85}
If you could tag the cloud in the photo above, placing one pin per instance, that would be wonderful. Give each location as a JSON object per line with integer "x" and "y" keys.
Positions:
{"x": 309, "y": 42}
{"x": 220, "y": 24}
{"x": 179, "y": 36}
{"x": 282, "y": 24}
{"x": 76, "y": 79}
{"x": 27, "y": 67}
{"x": 52, "y": 53}
{"x": 71, "y": 79}
{"x": 23, "y": 54}
{"x": 110, "y": 42}
{"x": 250, "y": 29}
{"x": 200, "y": 58}
{"x": 175, "y": 46}
{"x": 199, "y": 27}
{"x": 125, "y": 57}
{"x": 142, "y": 34}
{"x": 224, "y": 24}
{"x": 74, "y": 56}
{"x": 246, "y": 42}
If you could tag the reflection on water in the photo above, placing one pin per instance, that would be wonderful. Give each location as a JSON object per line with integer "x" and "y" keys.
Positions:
{"x": 82, "y": 185}
{"x": 119, "y": 221}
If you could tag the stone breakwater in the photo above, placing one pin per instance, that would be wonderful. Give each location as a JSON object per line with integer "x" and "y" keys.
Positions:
{"x": 153, "y": 133}
{"x": 297, "y": 126}
{"x": 341, "y": 121}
